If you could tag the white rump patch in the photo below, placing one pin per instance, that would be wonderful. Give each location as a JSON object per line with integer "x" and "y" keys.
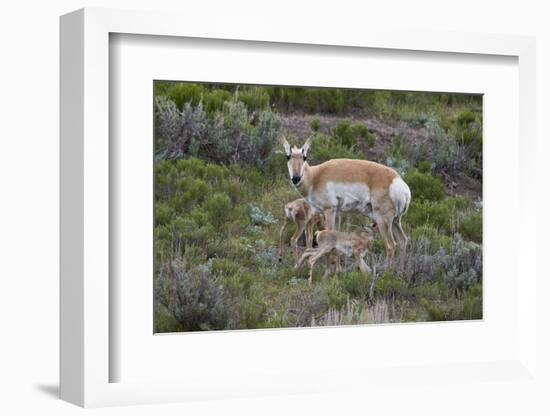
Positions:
{"x": 400, "y": 195}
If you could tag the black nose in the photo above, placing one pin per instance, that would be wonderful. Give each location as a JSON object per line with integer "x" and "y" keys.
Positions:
{"x": 296, "y": 179}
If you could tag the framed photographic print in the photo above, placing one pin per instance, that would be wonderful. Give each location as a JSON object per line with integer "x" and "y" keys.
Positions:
{"x": 267, "y": 214}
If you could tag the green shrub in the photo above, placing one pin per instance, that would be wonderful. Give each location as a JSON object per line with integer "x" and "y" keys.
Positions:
{"x": 436, "y": 214}
{"x": 448, "y": 216}
{"x": 194, "y": 256}
{"x": 189, "y": 231}
{"x": 439, "y": 311}
{"x": 315, "y": 124}
{"x": 255, "y": 98}
{"x": 252, "y": 310}
{"x": 213, "y": 101}
{"x": 344, "y": 133}
{"x": 277, "y": 319}
{"x": 219, "y": 209}
{"x": 473, "y": 303}
{"x": 425, "y": 166}
{"x": 182, "y": 93}
{"x": 444, "y": 215}
{"x": 250, "y": 175}
{"x": 336, "y": 297}
{"x": 433, "y": 291}
{"x": 356, "y": 284}
{"x": 236, "y": 249}
{"x": 162, "y": 213}
{"x": 325, "y": 148}
{"x": 305, "y": 304}
{"x": 380, "y": 104}
{"x": 468, "y": 132}
{"x": 195, "y": 167}
{"x": 445, "y": 122}
{"x": 398, "y": 147}
{"x": 434, "y": 239}
{"x": 360, "y": 130}
{"x": 194, "y": 192}
{"x": 165, "y": 321}
{"x": 309, "y": 100}
{"x": 389, "y": 285}
{"x": 424, "y": 186}
{"x": 467, "y": 306}
{"x": 466, "y": 117}
{"x": 350, "y": 134}
{"x": 459, "y": 203}
{"x": 370, "y": 139}
{"x": 471, "y": 226}
{"x": 379, "y": 246}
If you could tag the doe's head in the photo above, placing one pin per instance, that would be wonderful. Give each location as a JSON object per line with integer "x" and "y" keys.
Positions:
{"x": 296, "y": 159}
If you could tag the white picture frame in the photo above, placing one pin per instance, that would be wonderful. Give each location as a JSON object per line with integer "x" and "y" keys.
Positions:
{"x": 85, "y": 355}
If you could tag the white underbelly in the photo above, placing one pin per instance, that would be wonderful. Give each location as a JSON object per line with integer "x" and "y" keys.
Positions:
{"x": 349, "y": 196}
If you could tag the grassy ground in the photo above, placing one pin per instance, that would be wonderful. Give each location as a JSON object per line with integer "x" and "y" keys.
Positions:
{"x": 218, "y": 212}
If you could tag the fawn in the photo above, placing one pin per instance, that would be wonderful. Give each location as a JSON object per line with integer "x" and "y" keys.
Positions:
{"x": 349, "y": 244}
{"x": 305, "y": 217}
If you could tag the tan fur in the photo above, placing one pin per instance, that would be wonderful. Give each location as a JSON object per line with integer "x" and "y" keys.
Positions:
{"x": 305, "y": 217}
{"x": 375, "y": 175}
{"x": 349, "y": 244}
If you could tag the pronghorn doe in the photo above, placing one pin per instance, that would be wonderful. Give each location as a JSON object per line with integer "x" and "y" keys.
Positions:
{"x": 305, "y": 217}
{"x": 349, "y": 244}
{"x": 353, "y": 185}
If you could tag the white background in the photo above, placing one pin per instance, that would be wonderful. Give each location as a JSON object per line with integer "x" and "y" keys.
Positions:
{"x": 29, "y": 209}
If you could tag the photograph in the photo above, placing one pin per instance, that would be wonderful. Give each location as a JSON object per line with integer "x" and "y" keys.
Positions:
{"x": 306, "y": 206}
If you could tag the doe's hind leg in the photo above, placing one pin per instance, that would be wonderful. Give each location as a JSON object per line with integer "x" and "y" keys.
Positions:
{"x": 399, "y": 234}
{"x": 385, "y": 229}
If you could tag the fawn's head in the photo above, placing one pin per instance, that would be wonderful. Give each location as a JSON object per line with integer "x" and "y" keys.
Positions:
{"x": 368, "y": 234}
{"x": 296, "y": 160}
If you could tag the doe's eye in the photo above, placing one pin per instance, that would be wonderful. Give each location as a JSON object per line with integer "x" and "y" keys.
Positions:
{"x": 287, "y": 157}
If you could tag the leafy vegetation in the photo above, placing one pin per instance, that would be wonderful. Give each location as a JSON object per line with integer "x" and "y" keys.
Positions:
{"x": 221, "y": 183}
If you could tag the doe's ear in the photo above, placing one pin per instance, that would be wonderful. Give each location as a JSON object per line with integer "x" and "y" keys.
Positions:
{"x": 286, "y": 145}
{"x": 305, "y": 147}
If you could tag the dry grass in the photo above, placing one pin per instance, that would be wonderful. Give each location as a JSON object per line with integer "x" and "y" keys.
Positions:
{"x": 358, "y": 312}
